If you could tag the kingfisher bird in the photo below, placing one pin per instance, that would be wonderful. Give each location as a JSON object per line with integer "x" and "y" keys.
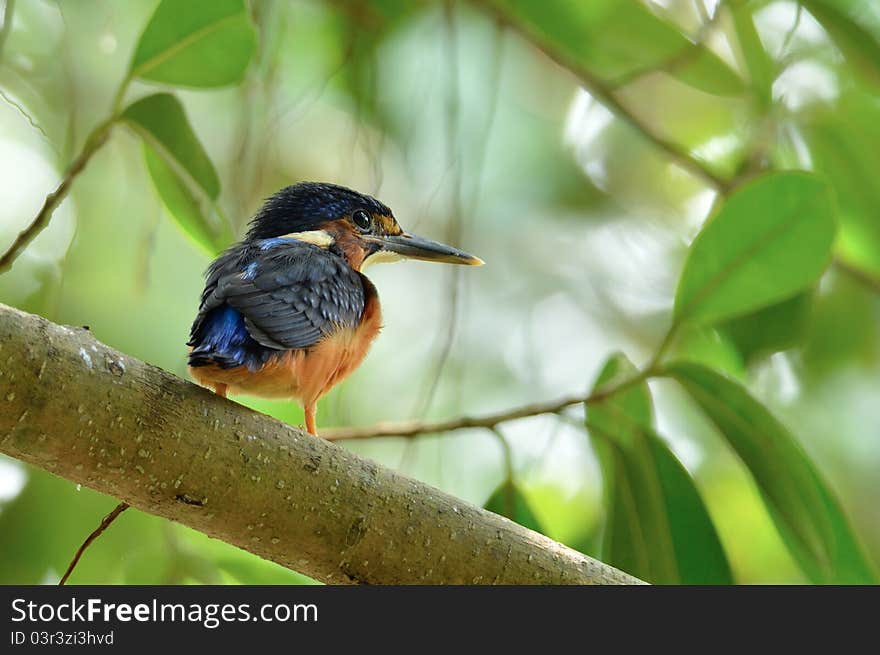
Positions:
{"x": 287, "y": 312}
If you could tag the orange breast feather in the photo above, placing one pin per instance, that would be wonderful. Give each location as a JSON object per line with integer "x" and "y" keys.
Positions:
{"x": 305, "y": 374}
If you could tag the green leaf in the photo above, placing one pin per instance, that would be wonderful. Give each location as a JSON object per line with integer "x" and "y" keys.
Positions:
{"x": 804, "y": 509}
{"x": 758, "y": 63}
{"x": 709, "y": 346}
{"x": 634, "y": 402}
{"x": 160, "y": 120}
{"x": 844, "y": 146}
{"x": 617, "y": 38}
{"x": 199, "y": 43}
{"x": 769, "y": 241}
{"x": 191, "y": 215}
{"x": 179, "y": 167}
{"x": 843, "y": 332}
{"x": 507, "y": 500}
{"x": 858, "y": 45}
{"x": 657, "y": 525}
{"x": 772, "y": 329}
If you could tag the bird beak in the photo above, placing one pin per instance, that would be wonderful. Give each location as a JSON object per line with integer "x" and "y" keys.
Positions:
{"x": 411, "y": 246}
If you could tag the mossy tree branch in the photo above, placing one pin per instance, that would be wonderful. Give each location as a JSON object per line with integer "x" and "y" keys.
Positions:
{"x": 97, "y": 417}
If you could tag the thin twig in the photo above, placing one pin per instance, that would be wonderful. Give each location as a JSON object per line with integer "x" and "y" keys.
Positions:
{"x": 93, "y": 143}
{"x": 415, "y": 428}
{"x": 489, "y": 421}
{"x": 119, "y": 509}
{"x": 492, "y": 421}
{"x": 30, "y": 119}
{"x": 96, "y": 138}
{"x": 605, "y": 95}
{"x": 684, "y": 56}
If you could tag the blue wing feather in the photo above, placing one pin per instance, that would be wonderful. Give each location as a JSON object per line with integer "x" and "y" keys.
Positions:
{"x": 262, "y": 298}
{"x": 224, "y": 341}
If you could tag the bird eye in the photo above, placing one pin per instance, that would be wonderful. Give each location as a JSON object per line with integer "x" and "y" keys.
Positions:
{"x": 361, "y": 219}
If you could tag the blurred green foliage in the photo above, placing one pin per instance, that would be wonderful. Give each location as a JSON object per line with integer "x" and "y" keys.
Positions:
{"x": 678, "y": 180}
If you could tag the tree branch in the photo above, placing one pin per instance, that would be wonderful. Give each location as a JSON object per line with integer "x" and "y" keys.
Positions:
{"x": 604, "y": 93}
{"x": 97, "y": 417}
{"x": 92, "y": 144}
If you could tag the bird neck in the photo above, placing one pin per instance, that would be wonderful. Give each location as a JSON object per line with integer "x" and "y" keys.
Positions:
{"x": 338, "y": 239}
{"x": 351, "y": 250}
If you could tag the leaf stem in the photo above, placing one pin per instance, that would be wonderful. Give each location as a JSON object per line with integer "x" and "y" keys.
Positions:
{"x": 120, "y": 94}
{"x": 650, "y": 369}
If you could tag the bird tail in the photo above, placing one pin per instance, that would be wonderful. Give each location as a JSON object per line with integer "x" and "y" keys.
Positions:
{"x": 205, "y": 356}
{"x": 219, "y": 339}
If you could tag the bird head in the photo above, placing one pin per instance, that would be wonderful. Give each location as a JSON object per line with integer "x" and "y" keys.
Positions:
{"x": 358, "y": 226}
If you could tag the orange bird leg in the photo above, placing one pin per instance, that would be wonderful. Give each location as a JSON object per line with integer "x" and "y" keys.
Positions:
{"x": 310, "y": 419}
{"x": 303, "y": 374}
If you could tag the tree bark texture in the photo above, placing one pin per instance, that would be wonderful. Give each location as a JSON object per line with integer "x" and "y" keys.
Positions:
{"x": 92, "y": 415}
